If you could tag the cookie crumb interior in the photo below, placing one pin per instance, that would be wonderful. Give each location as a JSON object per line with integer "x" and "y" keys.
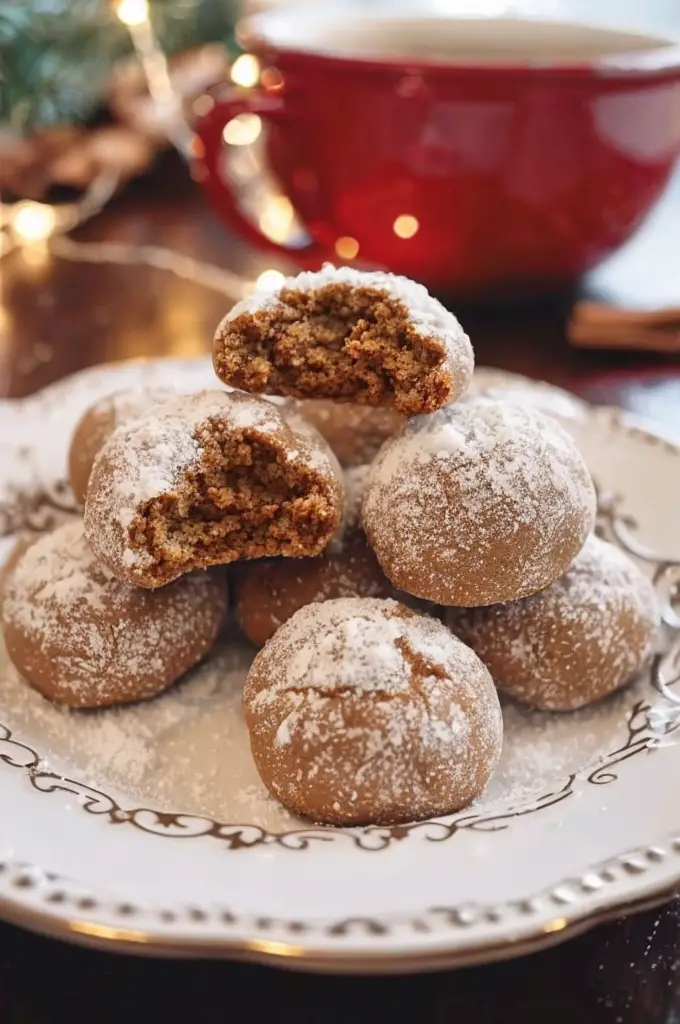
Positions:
{"x": 337, "y": 341}
{"x": 243, "y": 500}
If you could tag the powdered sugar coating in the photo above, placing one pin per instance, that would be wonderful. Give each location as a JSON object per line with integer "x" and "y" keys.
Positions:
{"x": 133, "y": 403}
{"x": 99, "y": 422}
{"x": 478, "y": 503}
{"x": 87, "y": 640}
{"x": 149, "y": 457}
{"x": 426, "y": 315}
{"x": 575, "y": 642}
{"x": 360, "y": 710}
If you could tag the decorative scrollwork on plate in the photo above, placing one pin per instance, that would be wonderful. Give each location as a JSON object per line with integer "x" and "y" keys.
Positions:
{"x": 648, "y": 725}
{"x": 641, "y": 735}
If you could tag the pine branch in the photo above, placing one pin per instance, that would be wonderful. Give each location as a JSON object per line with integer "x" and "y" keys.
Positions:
{"x": 56, "y": 55}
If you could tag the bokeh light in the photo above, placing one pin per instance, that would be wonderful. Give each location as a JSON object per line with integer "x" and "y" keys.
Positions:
{"x": 276, "y": 219}
{"x": 346, "y": 247}
{"x": 269, "y": 280}
{"x": 132, "y": 12}
{"x": 245, "y": 70}
{"x": 32, "y": 222}
{"x": 242, "y": 130}
{"x": 405, "y": 225}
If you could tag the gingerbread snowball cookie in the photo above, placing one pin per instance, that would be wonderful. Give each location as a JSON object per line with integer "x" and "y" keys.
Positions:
{"x": 366, "y": 337}
{"x": 208, "y": 478}
{"x": 84, "y": 639}
{"x": 361, "y": 711}
{"x": 480, "y": 503}
{"x": 267, "y": 593}
{"x": 574, "y": 643}
{"x": 97, "y": 424}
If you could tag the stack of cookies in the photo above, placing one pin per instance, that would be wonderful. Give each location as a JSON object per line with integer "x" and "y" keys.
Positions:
{"x": 400, "y": 552}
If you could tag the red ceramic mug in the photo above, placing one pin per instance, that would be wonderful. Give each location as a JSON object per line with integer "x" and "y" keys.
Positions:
{"x": 474, "y": 155}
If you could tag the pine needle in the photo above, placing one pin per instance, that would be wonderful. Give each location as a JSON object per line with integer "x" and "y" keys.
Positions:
{"x": 56, "y": 56}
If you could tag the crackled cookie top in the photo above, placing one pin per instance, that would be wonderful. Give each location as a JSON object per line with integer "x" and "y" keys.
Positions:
{"x": 85, "y": 639}
{"x": 481, "y": 502}
{"x": 99, "y": 422}
{"x": 575, "y": 642}
{"x": 360, "y": 710}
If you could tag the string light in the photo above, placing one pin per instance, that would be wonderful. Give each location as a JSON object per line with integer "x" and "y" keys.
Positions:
{"x": 406, "y": 226}
{"x": 32, "y": 222}
{"x": 346, "y": 247}
{"x": 242, "y": 130}
{"x": 27, "y": 223}
{"x": 185, "y": 267}
{"x": 269, "y": 280}
{"x": 132, "y": 12}
{"x": 277, "y": 218}
{"x": 243, "y": 164}
{"x": 41, "y": 227}
{"x": 36, "y": 256}
{"x": 245, "y": 70}
{"x": 135, "y": 15}
{"x": 40, "y": 230}
{"x": 271, "y": 79}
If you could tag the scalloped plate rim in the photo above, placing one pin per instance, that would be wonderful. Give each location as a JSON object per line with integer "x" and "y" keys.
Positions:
{"x": 572, "y": 921}
{"x": 81, "y": 932}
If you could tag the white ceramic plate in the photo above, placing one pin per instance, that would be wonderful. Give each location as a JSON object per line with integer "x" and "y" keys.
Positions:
{"x": 147, "y": 830}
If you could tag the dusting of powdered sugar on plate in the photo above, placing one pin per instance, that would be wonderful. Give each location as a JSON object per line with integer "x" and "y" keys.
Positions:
{"x": 188, "y": 750}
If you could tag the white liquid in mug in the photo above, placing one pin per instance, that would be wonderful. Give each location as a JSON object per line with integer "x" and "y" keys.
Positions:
{"x": 491, "y": 41}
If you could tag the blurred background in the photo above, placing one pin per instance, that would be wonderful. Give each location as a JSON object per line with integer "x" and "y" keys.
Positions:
{"x": 92, "y": 92}
{"x": 110, "y": 249}
{"x": 100, "y": 168}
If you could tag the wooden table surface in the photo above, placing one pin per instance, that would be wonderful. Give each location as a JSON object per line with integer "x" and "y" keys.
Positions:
{"x": 57, "y": 317}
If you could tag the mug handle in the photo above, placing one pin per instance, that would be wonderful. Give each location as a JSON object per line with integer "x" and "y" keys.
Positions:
{"x": 209, "y": 131}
